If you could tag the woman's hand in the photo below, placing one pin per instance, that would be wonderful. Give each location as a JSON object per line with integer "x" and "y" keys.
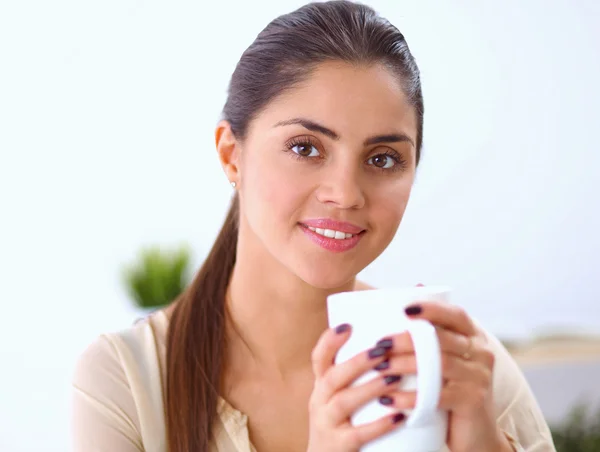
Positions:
{"x": 333, "y": 401}
{"x": 467, "y": 369}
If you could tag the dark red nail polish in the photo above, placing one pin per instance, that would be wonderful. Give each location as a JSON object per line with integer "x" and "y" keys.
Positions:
{"x": 413, "y": 310}
{"x": 386, "y": 400}
{"x": 391, "y": 379}
{"x": 386, "y": 343}
{"x": 377, "y": 352}
{"x": 398, "y": 417}
{"x": 342, "y": 328}
{"x": 383, "y": 365}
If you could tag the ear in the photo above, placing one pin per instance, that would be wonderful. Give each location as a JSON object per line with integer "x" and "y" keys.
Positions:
{"x": 228, "y": 149}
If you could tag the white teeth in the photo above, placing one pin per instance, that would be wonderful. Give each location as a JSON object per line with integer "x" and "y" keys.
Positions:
{"x": 339, "y": 235}
{"x": 330, "y": 233}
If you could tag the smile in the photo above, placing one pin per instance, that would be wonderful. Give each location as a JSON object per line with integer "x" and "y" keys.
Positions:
{"x": 332, "y": 239}
{"x": 330, "y": 233}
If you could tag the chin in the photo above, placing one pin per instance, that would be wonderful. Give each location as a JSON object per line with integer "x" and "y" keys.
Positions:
{"x": 326, "y": 279}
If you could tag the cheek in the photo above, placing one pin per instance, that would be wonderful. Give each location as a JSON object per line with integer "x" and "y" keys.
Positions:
{"x": 273, "y": 194}
{"x": 389, "y": 206}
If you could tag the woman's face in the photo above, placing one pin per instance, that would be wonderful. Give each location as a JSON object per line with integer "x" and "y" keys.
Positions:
{"x": 334, "y": 156}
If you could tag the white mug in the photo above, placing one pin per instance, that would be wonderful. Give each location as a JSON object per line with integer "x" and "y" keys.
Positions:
{"x": 374, "y": 315}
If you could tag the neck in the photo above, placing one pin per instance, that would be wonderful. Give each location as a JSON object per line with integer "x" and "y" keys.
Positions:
{"x": 275, "y": 318}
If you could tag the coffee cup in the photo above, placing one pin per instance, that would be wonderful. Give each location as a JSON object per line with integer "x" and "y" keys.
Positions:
{"x": 379, "y": 313}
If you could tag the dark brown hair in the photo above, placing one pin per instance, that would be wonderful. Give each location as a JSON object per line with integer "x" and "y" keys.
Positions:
{"x": 282, "y": 55}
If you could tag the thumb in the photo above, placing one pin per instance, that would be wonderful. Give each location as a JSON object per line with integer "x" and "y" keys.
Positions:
{"x": 327, "y": 347}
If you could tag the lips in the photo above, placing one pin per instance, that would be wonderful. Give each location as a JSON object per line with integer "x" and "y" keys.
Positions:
{"x": 335, "y": 236}
{"x": 331, "y": 233}
{"x": 333, "y": 225}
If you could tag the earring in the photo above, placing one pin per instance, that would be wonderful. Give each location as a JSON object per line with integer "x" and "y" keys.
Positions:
{"x": 233, "y": 184}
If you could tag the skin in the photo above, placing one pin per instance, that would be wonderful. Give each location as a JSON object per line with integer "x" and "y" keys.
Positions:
{"x": 273, "y": 366}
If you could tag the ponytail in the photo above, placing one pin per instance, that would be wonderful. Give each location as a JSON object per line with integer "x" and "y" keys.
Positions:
{"x": 196, "y": 345}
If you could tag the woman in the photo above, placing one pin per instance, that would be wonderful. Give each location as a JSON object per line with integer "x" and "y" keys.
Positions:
{"x": 320, "y": 139}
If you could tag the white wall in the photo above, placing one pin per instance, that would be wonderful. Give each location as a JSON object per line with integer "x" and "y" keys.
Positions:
{"x": 106, "y": 138}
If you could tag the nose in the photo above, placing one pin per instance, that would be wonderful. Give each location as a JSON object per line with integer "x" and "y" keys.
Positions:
{"x": 342, "y": 189}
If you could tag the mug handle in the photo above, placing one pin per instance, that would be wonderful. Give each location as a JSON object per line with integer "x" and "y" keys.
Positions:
{"x": 429, "y": 382}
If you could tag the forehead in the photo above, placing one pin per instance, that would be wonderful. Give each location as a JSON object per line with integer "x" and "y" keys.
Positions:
{"x": 356, "y": 101}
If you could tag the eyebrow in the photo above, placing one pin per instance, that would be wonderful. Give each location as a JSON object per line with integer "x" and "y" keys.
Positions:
{"x": 316, "y": 127}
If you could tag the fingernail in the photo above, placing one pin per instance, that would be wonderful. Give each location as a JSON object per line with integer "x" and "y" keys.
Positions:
{"x": 383, "y": 365}
{"x": 342, "y": 328}
{"x": 413, "y": 310}
{"x": 420, "y": 285}
{"x": 377, "y": 352}
{"x": 398, "y": 417}
{"x": 385, "y": 343}
{"x": 386, "y": 400}
{"x": 391, "y": 379}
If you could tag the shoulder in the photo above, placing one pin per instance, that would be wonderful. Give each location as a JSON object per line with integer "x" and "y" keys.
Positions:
{"x": 119, "y": 348}
{"x": 117, "y": 383}
{"x": 98, "y": 360}
{"x": 112, "y": 359}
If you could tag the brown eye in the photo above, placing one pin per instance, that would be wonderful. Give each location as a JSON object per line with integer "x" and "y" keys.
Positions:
{"x": 305, "y": 150}
{"x": 381, "y": 161}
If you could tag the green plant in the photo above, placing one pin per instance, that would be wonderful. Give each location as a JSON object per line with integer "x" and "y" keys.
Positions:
{"x": 579, "y": 433}
{"x": 157, "y": 277}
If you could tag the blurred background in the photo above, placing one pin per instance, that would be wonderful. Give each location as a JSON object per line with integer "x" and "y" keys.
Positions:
{"x": 107, "y": 114}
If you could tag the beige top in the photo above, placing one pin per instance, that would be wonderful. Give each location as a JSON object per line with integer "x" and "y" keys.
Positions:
{"x": 119, "y": 383}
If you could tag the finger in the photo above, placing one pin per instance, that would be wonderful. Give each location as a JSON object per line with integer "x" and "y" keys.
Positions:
{"x": 453, "y": 368}
{"x": 450, "y": 342}
{"x": 402, "y": 400}
{"x": 446, "y": 315}
{"x": 398, "y": 365}
{"x": 327, "y": 347}
{"x": 343, "y": 374}
{"x": 357, "y": 437}
{"x": 344, "y": 403}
